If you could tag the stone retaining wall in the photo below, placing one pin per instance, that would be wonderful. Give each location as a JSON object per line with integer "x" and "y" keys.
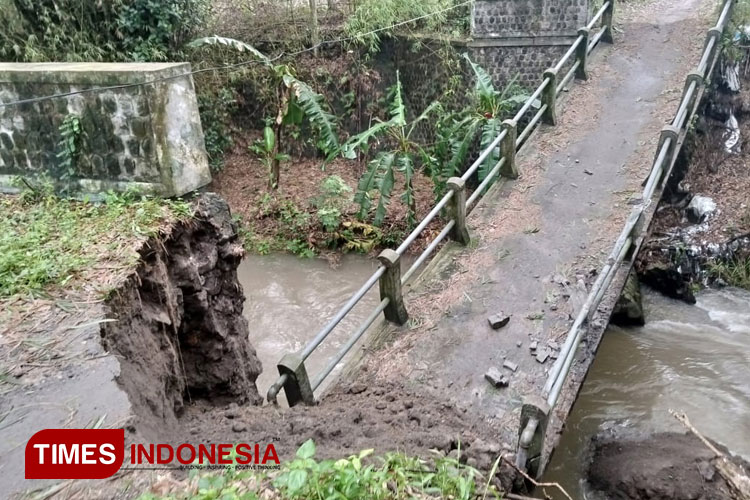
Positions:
{"x": 143, "y": 136}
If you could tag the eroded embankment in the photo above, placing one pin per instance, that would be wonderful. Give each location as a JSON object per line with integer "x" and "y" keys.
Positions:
{"x": 184, "y": 370}
{"x": 178, "y": 331}
{"x": 701, "y": 231}
{"x": 665, "y": 466}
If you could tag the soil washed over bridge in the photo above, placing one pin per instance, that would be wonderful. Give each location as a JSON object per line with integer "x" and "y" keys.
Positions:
{"x": 538, "y": 242}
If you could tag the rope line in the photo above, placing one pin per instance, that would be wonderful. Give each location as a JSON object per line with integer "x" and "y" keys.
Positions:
{"x": 235, "y": 65}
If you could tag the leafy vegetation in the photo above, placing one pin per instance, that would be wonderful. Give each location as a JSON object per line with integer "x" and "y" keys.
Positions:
{"x": 735, "y": 272}
{"x": 399, "y": 153}
{"x": 295, "y": 101}
{"x": 458, "y": 132}
{"x": 49, "y": 241}
{"x": 361, "y": 476}
{"x": 113, "y": 30}
{"x": 373, "y": 19}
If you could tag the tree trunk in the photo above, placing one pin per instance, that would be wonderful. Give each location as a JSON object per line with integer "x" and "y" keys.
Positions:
{"x": 315, "y": 37}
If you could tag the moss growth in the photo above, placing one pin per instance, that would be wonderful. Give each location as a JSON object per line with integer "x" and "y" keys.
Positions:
{"x": 46, "y": 241}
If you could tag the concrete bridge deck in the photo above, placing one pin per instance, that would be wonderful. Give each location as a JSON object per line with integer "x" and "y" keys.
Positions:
{"x": 538, "y": 242}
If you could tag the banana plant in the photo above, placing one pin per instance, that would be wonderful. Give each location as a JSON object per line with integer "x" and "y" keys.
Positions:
{"x": 296, "y": 101}
{"x": 457, "y": 133}
{"x": 398, "y": 156}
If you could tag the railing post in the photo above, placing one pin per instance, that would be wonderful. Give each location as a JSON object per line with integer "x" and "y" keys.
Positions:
{"x": 531, "y": 434}
{"x": 457, "y": 210}
{"x": 673, "y": 133}
{"x": 714, "y": 34}
{"x": 297, "y": 385}
{"x": 608, "y": 18}
{"x": 549, "y": 97}
{"x": 508, "y": 149}
{"x": 582, "y": 55}
{"x": 697, "y": 78}
{"x": 390, "y": 287}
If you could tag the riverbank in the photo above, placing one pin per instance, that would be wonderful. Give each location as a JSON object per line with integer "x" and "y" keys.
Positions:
{"x": 701, "y": 232}
{"x": 690, "y": 358}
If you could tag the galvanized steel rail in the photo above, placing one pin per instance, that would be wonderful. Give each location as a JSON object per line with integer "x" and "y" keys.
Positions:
{"x": 535, "y": 414}
{"x": 293, "y": 377}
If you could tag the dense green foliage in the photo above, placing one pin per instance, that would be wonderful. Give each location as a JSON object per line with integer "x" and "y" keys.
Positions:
{"x": 46, "y": 240}
{"x": 106, "y": 30}
{"x": 379, "y": 16}
{"x": 394, "y": 476}
{"x": 735, "y": 272}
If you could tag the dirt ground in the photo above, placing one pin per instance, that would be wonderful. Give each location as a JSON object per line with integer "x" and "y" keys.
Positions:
{"x": 244, "y": 184}
{"x": 666, "y": 466}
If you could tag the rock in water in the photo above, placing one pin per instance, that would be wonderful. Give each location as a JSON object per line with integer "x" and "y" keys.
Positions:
{"x": 629, "y": 310}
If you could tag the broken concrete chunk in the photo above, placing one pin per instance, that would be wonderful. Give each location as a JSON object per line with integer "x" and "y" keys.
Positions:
{"x": 496, "y": 378}
{"x": 533, "y": 345}
{"x": 510, "y": 365}
{"x": 497, "y": 321}
{"x": 553, "y": 345}
{"x": 542, "y": 355}
{"x": 519, "y": 343}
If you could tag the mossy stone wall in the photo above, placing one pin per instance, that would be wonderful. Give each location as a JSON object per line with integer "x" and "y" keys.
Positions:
{"x": 144, "y": 136}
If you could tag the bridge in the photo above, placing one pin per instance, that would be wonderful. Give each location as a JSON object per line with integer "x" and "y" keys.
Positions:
{"x": 507, "y": 316}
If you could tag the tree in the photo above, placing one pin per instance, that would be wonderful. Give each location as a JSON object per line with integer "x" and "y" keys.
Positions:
{"x": 296, "y": 101}
{"x": 401, "y": 155}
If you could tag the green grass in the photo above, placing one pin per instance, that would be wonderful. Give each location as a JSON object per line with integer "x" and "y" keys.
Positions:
{"x": 735, "y": 272}
{"x": 46, "y": 241}
{"x": 361, "y": 476}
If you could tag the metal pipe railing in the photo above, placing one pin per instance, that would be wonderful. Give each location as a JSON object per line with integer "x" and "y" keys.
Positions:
{"x": 427, "y": 251}
{"x": 670, "y": 144}
{"x": 568, "y": 77}
{"x": 486, "y": 182}
{"x": 533, "y": 98}
{"x": 595, "y": 40}
{"x": 531, "y": 125}
{"x": 452, "y": 225}
{"x": 350, "y": 343}
{"x": 569, "y": 53}
{"x": 315, "y": 342}
{"x": 598, "y": 15}
{"x": 430, "y": 216}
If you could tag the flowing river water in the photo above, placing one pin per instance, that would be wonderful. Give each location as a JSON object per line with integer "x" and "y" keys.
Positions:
{"x": 290, "y": 299}
{"x": 694, "y": 359}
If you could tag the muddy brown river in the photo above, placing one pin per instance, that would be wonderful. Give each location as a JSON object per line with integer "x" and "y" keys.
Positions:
{"x": 290, "y": 299}
{"x": 690, "y": 358}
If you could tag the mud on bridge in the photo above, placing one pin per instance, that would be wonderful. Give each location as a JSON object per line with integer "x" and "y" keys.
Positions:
{"x": 482, "y": 349}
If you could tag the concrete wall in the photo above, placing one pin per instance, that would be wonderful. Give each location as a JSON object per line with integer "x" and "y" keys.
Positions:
{"x": 143, "y": 136}
{"x": 524, "y": 37}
